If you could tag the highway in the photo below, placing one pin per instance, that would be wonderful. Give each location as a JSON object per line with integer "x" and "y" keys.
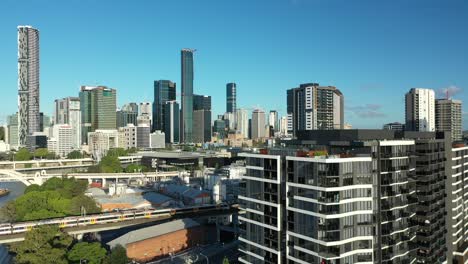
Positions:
{"x": 76, "y": 225}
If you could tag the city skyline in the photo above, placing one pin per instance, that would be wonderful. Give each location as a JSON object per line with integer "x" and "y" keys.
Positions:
{"x": 405, "y": 66}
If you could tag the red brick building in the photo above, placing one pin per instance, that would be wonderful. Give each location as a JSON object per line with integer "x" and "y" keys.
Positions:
{"x": 162, "y": 240}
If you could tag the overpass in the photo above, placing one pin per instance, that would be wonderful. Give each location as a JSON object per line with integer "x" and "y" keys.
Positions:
{"x": 79, "y": 225}
{"x": 40, "y": 177}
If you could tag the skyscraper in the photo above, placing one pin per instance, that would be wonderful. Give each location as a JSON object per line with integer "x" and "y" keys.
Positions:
{"x": 312, "y": 107}
{"x": 28, "y": 83}
{"x": 420, "y": 110}
{"x": 273, "y": 120}
{"x": 201, "y": 126}
{"x": 98, "y": 109}
{"x": 146, "y": 110}
{"x": 164, "y": 90}
{"x": 242, "y": 122}
{"x": 171, "y": 129}
{"x": 128, "y": 114}
{"x": 231, "y": 98}
{"x": 448, "y": 117}
{"x": 258, "y": 124}
{"x": 186, "y": 121}
{"x": 68, "y": 111}
{"x": 201, "y": 118}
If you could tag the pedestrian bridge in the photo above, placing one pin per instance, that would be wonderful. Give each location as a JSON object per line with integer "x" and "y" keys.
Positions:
{"x": 40, "y": 177}
{"x": 79, "y": 225}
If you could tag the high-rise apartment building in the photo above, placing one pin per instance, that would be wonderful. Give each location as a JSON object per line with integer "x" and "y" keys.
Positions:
{"x": 420, "y": 110}
{"x": 172, "y": 121}
{"x": 258, "y": 124}
{"x": 457, "y": 201}
{"x": 284, "y": 126}
{"x": 61, "y": 140}
{"x": 273, "y": 120}
{"x": 28, "y": 83}
{"x": 186, "y": 117}
{"x": 261, "y": 197}
{"x": 13, "y": 140}
{"x": 164, "y": 91}
{"x": 448, "y": 117}
{"x": 68, "y": 111}
{"x": 312, "y": 107}
{"x": 346, "y": 196}
{"x": 98, "y": 109}
{"x": 242, "y": 122}
{"x": 231, "y": 96}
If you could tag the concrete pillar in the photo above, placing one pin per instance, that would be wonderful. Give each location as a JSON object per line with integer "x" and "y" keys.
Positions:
{"x": 90, "y": 181}
{"x": 103, "y": 182}
{"x": 79, "y": 237}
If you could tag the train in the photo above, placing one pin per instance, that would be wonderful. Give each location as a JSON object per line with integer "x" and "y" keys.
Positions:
{"x": 106, "y": 218}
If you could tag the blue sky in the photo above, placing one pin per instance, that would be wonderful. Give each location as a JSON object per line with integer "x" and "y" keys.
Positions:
{"x": 373, "y": 51}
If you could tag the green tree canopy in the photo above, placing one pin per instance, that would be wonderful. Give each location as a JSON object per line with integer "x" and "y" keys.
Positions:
{"x": 225, "y": 260}
{"x": 83, "y": 201}
{"x": 22, "y": 155}
{"x": 118, "y": 255}
{"x": 110, "y": 164}
{"x": 76, "y": 154}
{"x": 117, "y": 152}
{"x": 136, "y": 168}
{"x": 57, "y": 197}
{"x": 44, "y": 244}
{"x": 41, "y": 153}
{"x": 93, "y": 253}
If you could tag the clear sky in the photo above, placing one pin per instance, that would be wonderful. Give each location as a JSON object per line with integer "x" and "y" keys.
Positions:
{"x": 373, "y": 51}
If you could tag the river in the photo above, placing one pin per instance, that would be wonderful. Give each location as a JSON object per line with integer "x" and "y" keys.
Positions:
{"x": 16, "y": 189}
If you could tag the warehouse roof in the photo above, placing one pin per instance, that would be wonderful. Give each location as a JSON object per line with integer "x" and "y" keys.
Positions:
{"x": 153, "y": 231}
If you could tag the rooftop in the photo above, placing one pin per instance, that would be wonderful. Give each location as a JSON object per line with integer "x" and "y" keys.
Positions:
{"x": 153, "y": 231}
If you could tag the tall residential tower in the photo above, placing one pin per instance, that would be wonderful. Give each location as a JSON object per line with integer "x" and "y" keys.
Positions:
{"x": 315, "y": 107}
{"x": 420, "y": 110}
{"x": 28, "y": 83}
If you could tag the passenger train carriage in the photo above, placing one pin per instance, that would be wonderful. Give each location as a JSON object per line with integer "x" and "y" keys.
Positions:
{"x": 105, "y": 218}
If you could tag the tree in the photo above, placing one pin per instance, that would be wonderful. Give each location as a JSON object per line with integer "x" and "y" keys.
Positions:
{"x": 136, "y": 168}
{"x": 41, "y": 152}
{"x": 93, "y": 253}
{"x": 117, "y": 152}
{"x": 22, "y": 155}
{"x": 83, "y": 201}
{"x": 76, "y": 154}
{"x": 225, "y": 260}
{"x": 32, "y": 188}
{"x": 118, "y": 255}
{"x": 110, "y": 164}
{"x": 43, "y": 244}
{"x": 51, "y": 155}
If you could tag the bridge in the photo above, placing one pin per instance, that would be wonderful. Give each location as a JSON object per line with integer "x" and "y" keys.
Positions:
{"x": 79, "y": 225}
{"x": 37, "y": 165}
{"x": 41, "y": 177}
